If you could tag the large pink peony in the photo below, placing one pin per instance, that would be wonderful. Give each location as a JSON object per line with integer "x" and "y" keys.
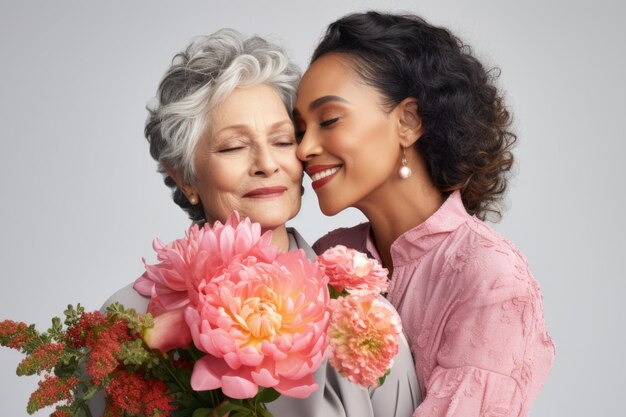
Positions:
{"x": 363, "y": 337}
{"x": 260, "y": 315}
{"x": 200, "y": 256}
{"x": 351, "y": 270}
{"x": 263, "y": 324}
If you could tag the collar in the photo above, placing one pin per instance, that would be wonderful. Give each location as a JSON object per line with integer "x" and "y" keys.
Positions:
{"x": 296, "y": 241}
{"x": 416, "y": 242}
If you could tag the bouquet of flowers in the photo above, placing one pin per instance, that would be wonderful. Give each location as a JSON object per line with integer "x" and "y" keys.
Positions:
{"x": 232, "y": 323}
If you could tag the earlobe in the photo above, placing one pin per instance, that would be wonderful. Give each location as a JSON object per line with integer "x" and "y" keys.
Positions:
{"x": 189, "y": 190}
{"x": 410, "y": 122}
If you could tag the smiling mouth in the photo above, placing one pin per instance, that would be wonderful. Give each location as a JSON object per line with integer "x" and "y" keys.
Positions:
{"x": 323, "y": 174}
{"x": 266, "y": 192}
{"x": 320, "y": 178}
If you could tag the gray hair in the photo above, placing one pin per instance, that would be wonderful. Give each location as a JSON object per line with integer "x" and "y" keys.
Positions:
{"x": 199, "y": 79}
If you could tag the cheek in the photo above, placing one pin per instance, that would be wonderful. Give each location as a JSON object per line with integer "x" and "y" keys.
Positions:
{"x": 217, "y": 177}
{"x": 366, "y": 143}
{"x": 292, "y": 167}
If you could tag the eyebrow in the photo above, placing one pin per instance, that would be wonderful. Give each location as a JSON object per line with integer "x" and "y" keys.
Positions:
{"x": 323, "y": 100}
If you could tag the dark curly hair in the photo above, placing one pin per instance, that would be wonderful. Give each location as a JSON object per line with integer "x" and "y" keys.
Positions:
{"x": 466, "y": 142}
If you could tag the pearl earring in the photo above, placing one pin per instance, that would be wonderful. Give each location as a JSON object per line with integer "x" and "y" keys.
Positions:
{"x": 404, "y": 172}
{"x": 193, "y": 200}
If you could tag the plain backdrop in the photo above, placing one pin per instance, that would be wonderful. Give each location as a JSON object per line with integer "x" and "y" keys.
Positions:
{"x": 82, "y": 202}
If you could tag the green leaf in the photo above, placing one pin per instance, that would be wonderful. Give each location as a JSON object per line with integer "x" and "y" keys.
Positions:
{"x": 81, "y": 412}
{"x": 264, "y": 412}
{"x": 230, "y": 407}
{"x": 381, "y": 380}
{"x": 334, "y": 294}
{"x": 72, "y": 315}
{"x": 267, "y": 395}
{"x": 90, "y": 393}
{"x": 202, "y": 412}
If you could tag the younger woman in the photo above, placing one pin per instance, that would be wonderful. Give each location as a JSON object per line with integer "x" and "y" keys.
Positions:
{"x": 399, "y": 120}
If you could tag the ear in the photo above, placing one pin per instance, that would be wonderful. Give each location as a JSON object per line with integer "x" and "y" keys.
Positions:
{"x": 409, "y": 122}
{"x": 189, "y": 190}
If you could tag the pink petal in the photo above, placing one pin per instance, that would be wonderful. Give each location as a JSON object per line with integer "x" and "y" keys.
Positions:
{"x": 143, "y": 285}
{"x": 222, "y": 340}
{"x": 290, "y": 367}
{"x": 207, "y": 373}
{"x": 232, "y": 359}
{"x": 264, "y": 378}
{"x": 243, "y": 241}
{"x": 226, "y": 243}
{"x": 249, "y": 356}
{"x": 302, "y": 342}
{"x": 300, "y": 388}
{"x": 270, "y": 349}
{"x": 237, "y": 387}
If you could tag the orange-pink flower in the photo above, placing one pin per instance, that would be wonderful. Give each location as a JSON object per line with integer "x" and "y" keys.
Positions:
{"x": 363, "y": 337}
{"x": 185, "y": 264}
{"x": 350, "y": 270}
{"x": 260, "y": 315}
{"x": 263, "y": 324}
{"x": 201, "y": 255}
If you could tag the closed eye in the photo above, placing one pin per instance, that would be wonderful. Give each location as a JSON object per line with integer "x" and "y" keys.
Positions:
{"x": 329, "y": 122}
{"x": 232, "y": 149}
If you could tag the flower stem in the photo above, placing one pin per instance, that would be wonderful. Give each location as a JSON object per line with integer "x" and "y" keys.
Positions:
{"x": 180, "y": 383}
{"x": 84, "y": 406}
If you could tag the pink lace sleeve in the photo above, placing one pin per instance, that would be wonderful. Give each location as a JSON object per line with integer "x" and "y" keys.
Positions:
{"x": 494, "y": 352}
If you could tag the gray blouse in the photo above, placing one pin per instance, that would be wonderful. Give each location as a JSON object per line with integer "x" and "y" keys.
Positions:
{"x": 399, "y": 396}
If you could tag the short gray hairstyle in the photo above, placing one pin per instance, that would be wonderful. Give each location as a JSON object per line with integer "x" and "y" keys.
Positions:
{"x": 200, "y": 78}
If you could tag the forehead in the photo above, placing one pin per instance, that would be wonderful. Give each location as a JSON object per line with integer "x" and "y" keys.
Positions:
{"x": 250, "y": 102}
{"x": 329, "y": 75}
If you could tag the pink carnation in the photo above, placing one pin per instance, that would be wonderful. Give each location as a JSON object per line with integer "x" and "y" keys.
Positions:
{"x": 351, "y": 270}
{"x": 262, "y": 324}
{"x": 363, "y": 338}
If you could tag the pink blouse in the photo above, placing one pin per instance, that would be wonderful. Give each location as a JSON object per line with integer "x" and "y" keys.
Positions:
{"x": 471, "y": 310}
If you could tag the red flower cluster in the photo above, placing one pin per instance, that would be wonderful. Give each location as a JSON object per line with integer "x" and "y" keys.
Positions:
{"x": 51, "y": 390}
{"x": 15, "y": 335}
{"x": 92, "y": 353}
{"x": 131, "y": 393}
{"x": 105, "y": 345}
{"x": 77, "y": 335}
{"x": 43, "y": 358}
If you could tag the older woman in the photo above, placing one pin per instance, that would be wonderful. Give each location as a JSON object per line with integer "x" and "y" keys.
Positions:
{"x": 220, "y": 129}
{"x": 400, "y": 121}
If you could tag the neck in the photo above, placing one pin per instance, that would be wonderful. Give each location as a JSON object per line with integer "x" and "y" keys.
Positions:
{"x": 400, "y": 205}
{"x": 280, "y": 238}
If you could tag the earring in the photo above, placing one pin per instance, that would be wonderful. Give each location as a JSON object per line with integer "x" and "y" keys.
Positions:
{"x": 404, "y": 172}
{"x": 193, "y": 200}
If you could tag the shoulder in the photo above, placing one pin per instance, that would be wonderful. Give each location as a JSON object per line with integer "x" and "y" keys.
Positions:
{"x": 487, "y": 261}
{"x": 129, "y": 298}
{"x": 352, "y": 237}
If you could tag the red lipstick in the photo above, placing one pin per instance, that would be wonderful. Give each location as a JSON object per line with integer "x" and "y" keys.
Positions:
{"x": 322, "y": 174}
{"x": 312, "y": 169}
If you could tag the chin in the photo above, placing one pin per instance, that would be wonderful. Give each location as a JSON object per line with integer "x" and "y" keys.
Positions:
{"x": 269, "y": 222}
{"x": 330, "y": 210}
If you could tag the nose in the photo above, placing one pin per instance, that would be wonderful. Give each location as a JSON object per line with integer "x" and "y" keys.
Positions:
{"x": 308, "y": 147}
{"x": 264, "y": 162}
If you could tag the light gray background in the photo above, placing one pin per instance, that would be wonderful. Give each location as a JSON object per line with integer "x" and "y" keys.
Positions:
{"x": 81, "y": 201}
